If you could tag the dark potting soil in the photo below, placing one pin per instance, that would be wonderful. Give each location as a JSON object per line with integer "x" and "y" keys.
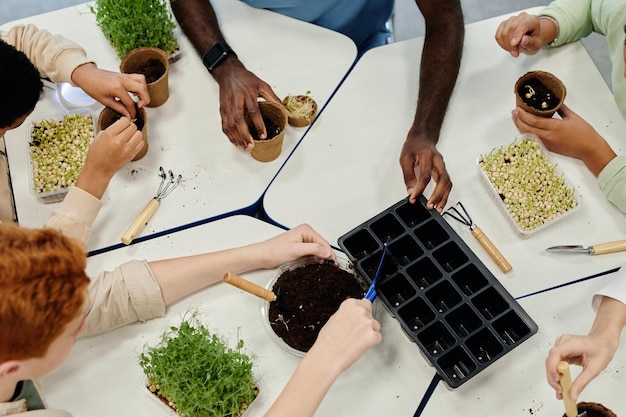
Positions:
{"x": 307, "y": 296}
{"x": 138, "y": 121}
{"x": 535, "y": 94}
{"x": 272, "y": 129}
{"x": 153, "y": 70}
{"x": 594, "y": 410}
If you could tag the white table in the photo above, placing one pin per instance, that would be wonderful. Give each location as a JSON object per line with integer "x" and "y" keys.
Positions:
{"x": 516, "y": 386}
{"x": 346, "y": 170}
{"x": 185, "y": 133}
{"x": 102, "y": 376}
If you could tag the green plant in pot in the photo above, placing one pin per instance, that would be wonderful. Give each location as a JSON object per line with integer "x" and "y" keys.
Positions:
{"x": 197, "y": 374}
{"x": 131, "y": 24}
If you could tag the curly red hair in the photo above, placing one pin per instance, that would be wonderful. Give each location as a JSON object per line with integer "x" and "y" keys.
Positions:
{"x": 43, "y": 285}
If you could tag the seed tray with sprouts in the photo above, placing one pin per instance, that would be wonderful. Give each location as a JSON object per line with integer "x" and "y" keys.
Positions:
{"x": 57, "y": 148}
{"x": 527, "y": 186}
{"x": 443, "y": 296}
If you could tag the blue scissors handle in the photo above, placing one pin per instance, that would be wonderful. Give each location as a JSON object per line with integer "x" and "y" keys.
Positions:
{"x": 371, "y": 291}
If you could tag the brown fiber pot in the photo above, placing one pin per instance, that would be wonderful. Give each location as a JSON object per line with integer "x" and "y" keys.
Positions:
{"x": 109, "y": 116}
{"x": 267, "y": 150}
{"x": 155, "y": 65}
{"x": 594, "y": 410}
{"x": 551, "y": 82}
{"x": 301, "y": 120}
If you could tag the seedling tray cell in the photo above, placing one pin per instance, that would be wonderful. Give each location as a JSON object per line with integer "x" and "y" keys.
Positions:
{"x": 446, "y": 300}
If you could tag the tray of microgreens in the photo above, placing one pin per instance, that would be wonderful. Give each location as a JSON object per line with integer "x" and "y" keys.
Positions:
{"x": 529, "y": 188}
{"x": 58, "y": 147}
{"x": 194, "y": 373}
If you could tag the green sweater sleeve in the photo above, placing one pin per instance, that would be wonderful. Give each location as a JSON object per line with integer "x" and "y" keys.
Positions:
{"x": 612, "y": 181}
{"x": 573, "y": 17}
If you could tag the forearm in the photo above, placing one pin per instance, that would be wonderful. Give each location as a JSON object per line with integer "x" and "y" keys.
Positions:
{"x": 440, "y": 63}
{"x": 92, "y": 181}
{"x": 304, "y": 392}
{"x": 179, "y": 277}
{"x": 598, "y": 156}
{"x": 610, "y": 321}
{"x": 198, "y": 20}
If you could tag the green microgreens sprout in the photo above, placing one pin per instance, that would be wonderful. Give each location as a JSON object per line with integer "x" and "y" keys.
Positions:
{"x": 530, "y": 186}
{"x": 58, "y": 149}
{"x": 130, "y": 24}
{"x": 197, "y": 373}
{"x": 300, "y": 106}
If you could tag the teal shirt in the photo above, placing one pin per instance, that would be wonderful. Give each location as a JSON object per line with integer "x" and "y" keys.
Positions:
{"x": 364, "y": 21}
{"x": 578, "y": 18}
{"x": 27, "y": 390}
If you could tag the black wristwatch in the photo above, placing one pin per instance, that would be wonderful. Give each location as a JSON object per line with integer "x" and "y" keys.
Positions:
{"x": 216, "y": 55}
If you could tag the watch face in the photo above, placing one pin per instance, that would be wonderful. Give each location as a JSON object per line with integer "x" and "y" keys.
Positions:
{"x": 215, "y": 56}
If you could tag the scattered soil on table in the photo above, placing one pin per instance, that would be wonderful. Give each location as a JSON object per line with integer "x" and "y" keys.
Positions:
{"x": 272, "y": 129}
{"x": 307, "y": 296}
{"x": 535, "y": 94}
{"x": 153, "y": 70}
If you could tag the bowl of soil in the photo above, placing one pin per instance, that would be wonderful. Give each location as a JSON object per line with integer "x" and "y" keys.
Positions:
{"x": 302, "y": 110}
{"x": 594, "y": 410}
{"x": 275, "y": 119}
{"x": 108, "y": 116}
{"x": 154, "y": 64}
{"x": 309, "y": 291}
{"x": 540, "y": 93}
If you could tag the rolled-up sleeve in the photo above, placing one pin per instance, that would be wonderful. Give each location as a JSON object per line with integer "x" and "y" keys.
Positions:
{"x": 612, "y": 181}
{"x": 616, "y": 290}
{"x": 76, "y": 214}
{"x": 54, "y": 56}
{"x": 125, "y": 295}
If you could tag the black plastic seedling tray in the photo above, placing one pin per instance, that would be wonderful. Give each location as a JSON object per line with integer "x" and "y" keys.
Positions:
{"x": 444, "y": 297}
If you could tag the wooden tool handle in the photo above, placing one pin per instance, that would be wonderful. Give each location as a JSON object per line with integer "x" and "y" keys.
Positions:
{"x": 565, "y": 380}
{"x": 140, "y": 221}
{"x": 495, "y": 254}
{"x": 610, "y": 247}
{"x": 250, "y": 287}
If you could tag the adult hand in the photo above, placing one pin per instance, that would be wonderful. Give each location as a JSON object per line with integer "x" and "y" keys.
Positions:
{"x": 419, "y": 151}
{"x": 112, "y": 88}
{"x": 239, "y": 91}
{"x": 593, "y": 353}
{"x": 347, "y": 335}
{"x": 570, "y": 135}
{"x": 111, "y": 150}
{"x": 520, "y": 34}
{"x": 293, "y": 244}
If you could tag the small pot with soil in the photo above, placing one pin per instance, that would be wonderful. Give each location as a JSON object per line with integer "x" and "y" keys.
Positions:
{"x": 540, "y": 93}
{"x": 275, "y": 119}
{"x": 302, "y": 110}
{"x": 154, "y": 64}
{"x": 308, "y": 291}
{"x": 109, "y": 116}
{"x": 594, "y": 410}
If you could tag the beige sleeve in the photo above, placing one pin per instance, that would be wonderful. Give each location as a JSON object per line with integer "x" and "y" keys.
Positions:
{"x": 76, "y": 214}
{"x": 125, "y": 295}
{"x": 54, "y": 56}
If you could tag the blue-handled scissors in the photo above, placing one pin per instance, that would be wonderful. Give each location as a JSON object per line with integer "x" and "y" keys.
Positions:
{"x": 371, "y": 291}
